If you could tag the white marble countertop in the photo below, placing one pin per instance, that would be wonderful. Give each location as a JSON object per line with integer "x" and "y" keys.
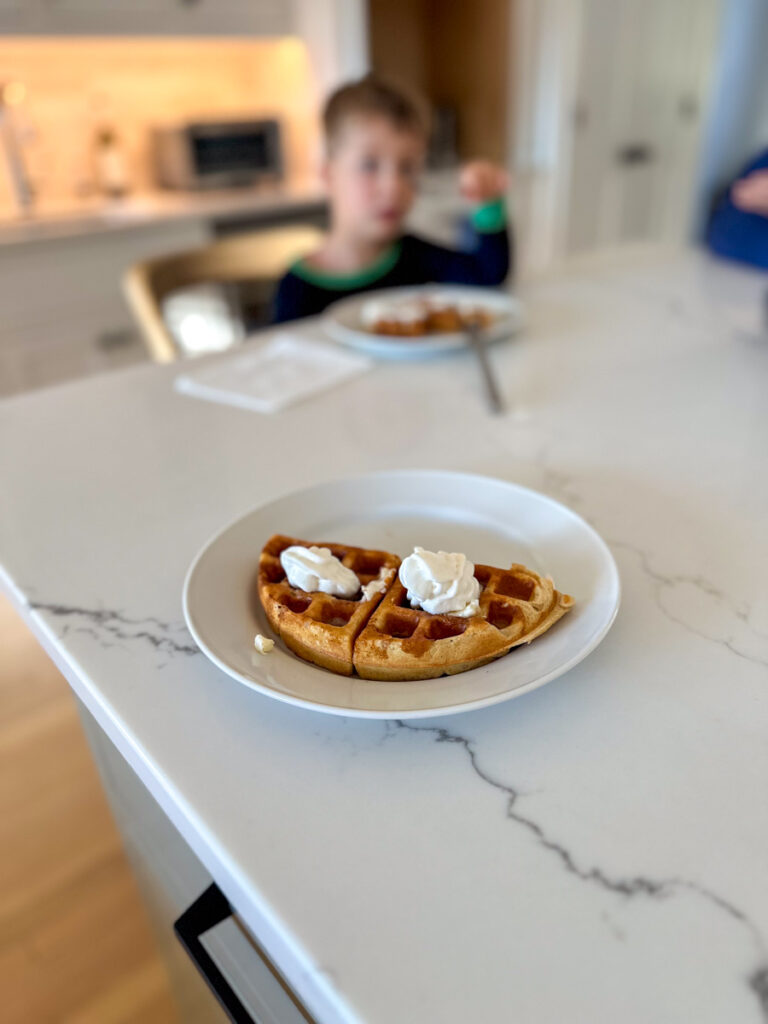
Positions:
{"x": 95, "y": 216}
{"x": 593, "y": 851}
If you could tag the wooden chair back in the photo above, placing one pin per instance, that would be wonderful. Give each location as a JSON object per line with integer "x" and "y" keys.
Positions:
{"x": 260, "y": 255}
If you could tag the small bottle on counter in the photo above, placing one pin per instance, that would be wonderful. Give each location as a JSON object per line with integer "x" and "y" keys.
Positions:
{"x": 111, "y": 173}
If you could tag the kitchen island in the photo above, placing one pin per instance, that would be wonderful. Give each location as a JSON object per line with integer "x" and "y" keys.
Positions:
{"x": 593, "y": 851}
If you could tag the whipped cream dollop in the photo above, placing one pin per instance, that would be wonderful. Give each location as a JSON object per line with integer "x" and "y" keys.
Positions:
{"x": 405, "y": 311}
{"x": 439, "y": 302}
{"x": 315, "y": 568}
{"x": 379, "y": 584}
{"x": 263, "y": 644}
{"x": 441, "y": 583}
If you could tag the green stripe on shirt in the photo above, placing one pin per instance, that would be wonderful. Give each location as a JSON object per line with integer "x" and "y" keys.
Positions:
{"x": 346, "y": 282}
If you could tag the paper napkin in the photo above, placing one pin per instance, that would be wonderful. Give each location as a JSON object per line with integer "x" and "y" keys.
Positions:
{"x": 269, "y": 377}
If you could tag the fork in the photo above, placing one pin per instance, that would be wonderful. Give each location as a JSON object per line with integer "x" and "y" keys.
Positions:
{"x": 479, "y": 346}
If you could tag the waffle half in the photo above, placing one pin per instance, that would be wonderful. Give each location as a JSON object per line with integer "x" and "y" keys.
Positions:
{"x": 400, "y": 642}
{"x": 318, "y": 627}
{"x": 385, "y": 638}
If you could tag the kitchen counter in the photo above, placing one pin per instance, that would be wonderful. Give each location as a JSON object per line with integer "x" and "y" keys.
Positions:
{"x": 592, "y": 851}
{"x": 74, "y": 219}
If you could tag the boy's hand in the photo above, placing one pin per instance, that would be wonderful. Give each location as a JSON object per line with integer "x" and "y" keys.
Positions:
{"x": 482, "y": 181}
{"x": 751, "y": 193}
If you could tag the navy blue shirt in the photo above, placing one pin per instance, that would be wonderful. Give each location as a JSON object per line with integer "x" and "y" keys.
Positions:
{"x": 737, "y": 234}
{"x": 411, "y": 260}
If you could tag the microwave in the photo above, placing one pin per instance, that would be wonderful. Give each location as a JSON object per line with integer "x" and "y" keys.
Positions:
{"x": 217, "y": 154}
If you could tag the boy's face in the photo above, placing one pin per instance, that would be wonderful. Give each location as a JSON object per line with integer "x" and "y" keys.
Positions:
{"x": 371, "y": 176}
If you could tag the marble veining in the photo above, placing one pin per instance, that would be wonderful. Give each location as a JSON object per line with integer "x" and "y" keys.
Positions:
{"x": 740, "y": 611}
{"x": 759, "y": 983}
{"x": 107, "y": 626}
{"x": 737, "y": 634}
{"x": 654, "y": 888}
{"x": 629, "y": 887}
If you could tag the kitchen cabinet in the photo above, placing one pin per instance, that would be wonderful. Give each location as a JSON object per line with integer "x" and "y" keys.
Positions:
{"x": 606, "y": 149}
{"x": 147, "y": 17}
{"x": 170, "y": 878}
{"x": 643, "y": 79}
{"x": 64, "y": 314}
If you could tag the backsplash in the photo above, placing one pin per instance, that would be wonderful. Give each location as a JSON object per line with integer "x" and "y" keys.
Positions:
{"x": 76, "y": 86}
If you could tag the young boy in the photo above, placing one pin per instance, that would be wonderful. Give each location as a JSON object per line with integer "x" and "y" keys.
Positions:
{"x": 375, "y": 141}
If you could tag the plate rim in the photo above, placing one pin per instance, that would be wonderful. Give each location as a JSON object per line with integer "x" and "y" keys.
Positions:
{"x": 430, "y": 712}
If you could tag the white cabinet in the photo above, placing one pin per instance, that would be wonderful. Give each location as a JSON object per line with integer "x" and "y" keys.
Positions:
{"x": 609, "y": 102}
{"x": 643, "y": 79}
{"x": 170, "y": 878}
{"x": 64, "y": 315}
{"x": 147, "y": 17}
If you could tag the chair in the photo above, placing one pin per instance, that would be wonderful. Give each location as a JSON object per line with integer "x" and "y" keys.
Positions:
{"x": 261, "y": 256}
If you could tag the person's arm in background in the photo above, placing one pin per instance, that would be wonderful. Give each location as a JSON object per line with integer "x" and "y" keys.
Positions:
{"x": 490, "y": 260}
{"x": 738, "y": 225}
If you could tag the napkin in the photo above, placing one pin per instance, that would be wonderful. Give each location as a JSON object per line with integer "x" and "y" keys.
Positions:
{"x": 269, "y": 377}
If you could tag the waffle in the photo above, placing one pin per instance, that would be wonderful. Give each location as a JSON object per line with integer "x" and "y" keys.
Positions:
{"x": 401, "y": 328}
{"x": 385, "y": 638}
{"x": 437, "y": 319}
{"x": 400, "y": 642}
{"x": 444, "y": 318}
{"x": 453, "y": 318}
{"x": 319, "y": 627}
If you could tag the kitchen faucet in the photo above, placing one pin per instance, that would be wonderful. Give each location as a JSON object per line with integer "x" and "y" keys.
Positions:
{"x": 11, "y": 94}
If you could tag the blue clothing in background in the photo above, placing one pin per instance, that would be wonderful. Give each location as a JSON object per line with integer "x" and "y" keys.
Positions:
{"x": 304, "y": 291}
{"x": 737, "y": 234}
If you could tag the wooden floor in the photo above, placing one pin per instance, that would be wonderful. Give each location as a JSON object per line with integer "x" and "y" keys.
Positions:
{"x": 75, "y": 944}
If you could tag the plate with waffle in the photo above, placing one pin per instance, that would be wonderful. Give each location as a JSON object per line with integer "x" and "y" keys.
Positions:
{"x": 543, "y": 590}
{"x": 411, "y": 323}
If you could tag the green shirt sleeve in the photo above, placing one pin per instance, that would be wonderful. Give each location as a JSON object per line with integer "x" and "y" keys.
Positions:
{"x": 490, "y": 217}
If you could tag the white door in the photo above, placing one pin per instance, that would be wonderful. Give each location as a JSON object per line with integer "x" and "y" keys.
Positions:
{"x": 642, "y": 80}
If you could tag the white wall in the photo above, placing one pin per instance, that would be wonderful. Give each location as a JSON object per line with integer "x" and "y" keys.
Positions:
{"x": 737, "y": 125}
{"x": 336, "y": 35}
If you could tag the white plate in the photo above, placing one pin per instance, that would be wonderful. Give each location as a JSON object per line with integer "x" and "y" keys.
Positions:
{"x": 491, "y": 521}
{"x": 343, "y": 320}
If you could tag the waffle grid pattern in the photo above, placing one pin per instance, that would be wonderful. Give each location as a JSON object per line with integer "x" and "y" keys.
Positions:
{"x": 325, "y": 608}
{"x": 319, "y": 627}
{"x": 387, "y": 638}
